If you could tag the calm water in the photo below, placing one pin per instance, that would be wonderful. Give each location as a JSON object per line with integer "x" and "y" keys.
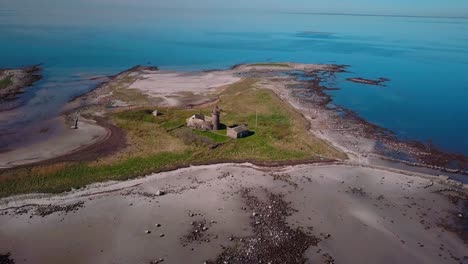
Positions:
{"x": 425, "y": 58}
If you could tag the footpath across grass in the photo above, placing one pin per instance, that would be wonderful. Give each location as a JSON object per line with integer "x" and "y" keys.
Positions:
{"x": 280, "y": 134}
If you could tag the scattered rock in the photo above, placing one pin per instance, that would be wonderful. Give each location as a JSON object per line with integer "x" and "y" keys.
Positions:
{"x": 271, "y": 232}
{"x": 45, "y": 210}
{"x": 6, "y": 259}
{"x": 160, "y": 193}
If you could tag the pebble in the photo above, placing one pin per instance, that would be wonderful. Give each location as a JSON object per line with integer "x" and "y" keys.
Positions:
{"x": 147, "y": 232}
{"x": 460, "y": 215}
{"x": 160, "y": 193}
{"x": 161, "y": 235}
{"x": 254, "y": 214}
{"x": 158, "y": 225}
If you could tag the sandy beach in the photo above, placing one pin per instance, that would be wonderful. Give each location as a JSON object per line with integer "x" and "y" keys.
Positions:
{"x": 234, "y": 213}
{"x": 63, "y": 141}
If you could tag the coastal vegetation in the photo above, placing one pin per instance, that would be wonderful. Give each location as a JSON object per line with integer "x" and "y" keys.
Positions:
{"x": 161, "y": 143}
{"x": 5, "y": 82}
{"x": 271, "y": 64}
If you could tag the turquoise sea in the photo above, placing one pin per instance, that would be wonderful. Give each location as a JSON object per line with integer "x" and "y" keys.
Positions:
{"x": 426, "y": 58}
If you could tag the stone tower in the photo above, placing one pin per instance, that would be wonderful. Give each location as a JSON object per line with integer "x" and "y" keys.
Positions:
{"x": 215, "y": 118}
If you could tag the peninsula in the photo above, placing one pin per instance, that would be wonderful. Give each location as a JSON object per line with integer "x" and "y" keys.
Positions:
{"x": 244, "y": 165}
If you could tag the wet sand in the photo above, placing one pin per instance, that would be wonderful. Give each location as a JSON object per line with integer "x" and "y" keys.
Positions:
{"x": 214, "y": 213}
{"x": 62, "y": 141}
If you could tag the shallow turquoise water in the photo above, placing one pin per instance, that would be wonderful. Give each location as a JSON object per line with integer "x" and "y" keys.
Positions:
{"x": 425, "y": 58}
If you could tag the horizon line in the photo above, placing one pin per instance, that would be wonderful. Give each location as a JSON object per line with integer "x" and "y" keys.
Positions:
{"x": 374, "y": 15}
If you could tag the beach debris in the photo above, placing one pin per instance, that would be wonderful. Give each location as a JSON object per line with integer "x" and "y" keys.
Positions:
{"x": 45, "y": 210}
{"x": 429, "y": 185}
{"x": 75, "y": 120}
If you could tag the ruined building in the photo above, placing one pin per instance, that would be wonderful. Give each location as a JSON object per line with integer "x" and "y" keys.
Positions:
{"x": 215, "y": 118}
{"x": 203, "y": 122}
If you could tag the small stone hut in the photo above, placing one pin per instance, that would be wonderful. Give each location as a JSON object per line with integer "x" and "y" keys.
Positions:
{"x": 238, "y": 131}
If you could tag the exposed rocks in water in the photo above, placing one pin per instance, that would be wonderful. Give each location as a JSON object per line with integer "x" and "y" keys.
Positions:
{"x": 377, "y": 82}
{"x": 310, "y": 90}
{"x": 6, "y": 259}
{"x": 274, "y": 241}
{"x": 13, "y": 82}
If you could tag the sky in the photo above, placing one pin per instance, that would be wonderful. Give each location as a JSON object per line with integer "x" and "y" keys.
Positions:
{"x": 457, "y": 8}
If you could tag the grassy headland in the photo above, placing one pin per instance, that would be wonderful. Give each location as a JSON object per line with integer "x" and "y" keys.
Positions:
{"x": 163, "y": 143}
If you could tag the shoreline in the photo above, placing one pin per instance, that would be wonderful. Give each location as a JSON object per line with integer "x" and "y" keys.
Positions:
{"x": 242, "y": 211}
{"x": 314, "y": 108}
{"x": 311, "y": 99}
{"x": 203, "y": 207}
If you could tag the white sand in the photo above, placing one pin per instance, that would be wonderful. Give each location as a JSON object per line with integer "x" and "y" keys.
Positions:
{"x": 110, "y": 228}
{"x": 167, "y": 85}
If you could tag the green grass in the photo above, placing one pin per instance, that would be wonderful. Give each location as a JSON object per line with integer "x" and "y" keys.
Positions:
{"x": 216, "y": 137}
{"x": 280, "y": 136}
{"x": 5, "y": 82}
